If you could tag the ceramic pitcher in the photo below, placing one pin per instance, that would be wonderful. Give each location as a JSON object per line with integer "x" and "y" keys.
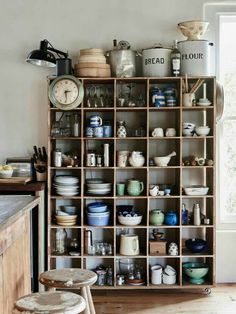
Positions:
{"x": 129, "y": 244}
{"x": 135, "y": 187}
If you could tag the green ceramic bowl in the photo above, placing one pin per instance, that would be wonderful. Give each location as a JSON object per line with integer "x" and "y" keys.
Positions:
{"x": 196, "y": 271}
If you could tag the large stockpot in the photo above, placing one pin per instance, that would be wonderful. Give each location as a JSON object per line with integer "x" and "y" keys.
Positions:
{"x": 156, "y": 61}
{"x": 122, "y": 60}
{"x": 195, "y": 57}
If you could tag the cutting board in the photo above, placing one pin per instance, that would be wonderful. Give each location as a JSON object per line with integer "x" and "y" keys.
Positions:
{"x": 15, "y": 180}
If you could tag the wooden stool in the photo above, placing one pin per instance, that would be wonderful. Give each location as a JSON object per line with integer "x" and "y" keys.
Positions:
{"x": 59, "y": 302}
{"x": 71, "y": 278}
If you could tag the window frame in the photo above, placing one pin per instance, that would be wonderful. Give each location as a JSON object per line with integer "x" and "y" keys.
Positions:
{"x": 213, "y": 12}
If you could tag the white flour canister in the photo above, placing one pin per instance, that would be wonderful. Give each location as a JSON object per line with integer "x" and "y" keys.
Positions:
{"x": 156, "y": 61}
{"x": 195, "y": 57}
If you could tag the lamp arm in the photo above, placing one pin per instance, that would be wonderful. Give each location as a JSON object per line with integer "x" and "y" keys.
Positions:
{"x": 51, "y": 48}
{"x": 65, "y": 54}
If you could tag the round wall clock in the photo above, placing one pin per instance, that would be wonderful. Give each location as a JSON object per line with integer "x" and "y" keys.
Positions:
{"x": 66, "y": 92}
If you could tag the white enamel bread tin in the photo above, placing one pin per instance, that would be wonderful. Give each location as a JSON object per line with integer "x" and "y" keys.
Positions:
{"x": 156, "y": 61}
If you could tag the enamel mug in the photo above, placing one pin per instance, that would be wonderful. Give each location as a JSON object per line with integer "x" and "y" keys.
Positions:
{"x": 95, "y": 121}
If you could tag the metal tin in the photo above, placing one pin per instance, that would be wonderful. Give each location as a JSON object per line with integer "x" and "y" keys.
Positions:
{"x": 91, "y": 159}
{"x": 156, "y": 61}
{"x": 195, "y": 57}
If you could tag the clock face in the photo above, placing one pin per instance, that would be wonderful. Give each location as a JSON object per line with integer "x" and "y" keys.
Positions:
{"x": 65, "y": 91}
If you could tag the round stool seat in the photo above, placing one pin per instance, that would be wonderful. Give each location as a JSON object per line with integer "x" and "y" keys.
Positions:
{"x": 51, "y": 302}
{"x": 68, "y": 278}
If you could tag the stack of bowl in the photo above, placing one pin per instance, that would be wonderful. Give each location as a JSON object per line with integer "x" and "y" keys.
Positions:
{"x": 101, "y": 188}
{"x": 98, "y": 214}
{"x": 64, "y": 219}
{"x": 92, "y": 63}
{"x": 66, "y": 185}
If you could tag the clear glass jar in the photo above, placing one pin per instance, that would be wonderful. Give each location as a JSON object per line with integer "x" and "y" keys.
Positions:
{"x": 67, "y": 128}
{"x": 60, "y": 243}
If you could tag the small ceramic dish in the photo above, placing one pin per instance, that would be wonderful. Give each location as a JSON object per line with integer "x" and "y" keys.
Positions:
{"x": 196, "y": 190}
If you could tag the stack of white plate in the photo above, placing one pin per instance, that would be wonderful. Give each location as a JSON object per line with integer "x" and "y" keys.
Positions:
{"x": 66, "y": 185}
{"x": 99, "y": 188}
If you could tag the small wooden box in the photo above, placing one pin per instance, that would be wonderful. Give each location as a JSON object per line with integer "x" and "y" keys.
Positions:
{"x": 157, "y": 247}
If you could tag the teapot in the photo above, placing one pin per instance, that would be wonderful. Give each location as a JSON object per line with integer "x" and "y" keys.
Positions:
{"x": 135, "y": 187}
{"x": 171, "y": 218}
{"x": 136, "y": 159}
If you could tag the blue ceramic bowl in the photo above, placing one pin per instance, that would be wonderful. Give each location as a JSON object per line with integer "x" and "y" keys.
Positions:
{"x": 98, "y": 219}
{"x": 97, "y": 207}
{"x": 196, "y": 245}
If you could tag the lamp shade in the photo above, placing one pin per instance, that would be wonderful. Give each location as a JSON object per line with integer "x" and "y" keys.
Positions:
{"x": 42, "y": 57}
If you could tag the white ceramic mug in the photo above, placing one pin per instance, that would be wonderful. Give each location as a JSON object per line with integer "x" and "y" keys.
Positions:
{"x": 158, "y": 132}
{"x": 156, "y": 275}
{"x": 189, "y": 99}
{"x": 153, "y": 190}
{"x": 170, "y": 132}
{"x": 129, "y": 244}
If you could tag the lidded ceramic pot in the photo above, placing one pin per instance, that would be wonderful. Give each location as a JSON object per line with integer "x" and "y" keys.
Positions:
{"x": 156, "y": 217}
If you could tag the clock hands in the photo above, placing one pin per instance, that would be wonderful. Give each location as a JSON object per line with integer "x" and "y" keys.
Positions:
{"x": 66, "y": 91}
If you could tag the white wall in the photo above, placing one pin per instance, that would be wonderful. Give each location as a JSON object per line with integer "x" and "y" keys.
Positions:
{"x": 70, "y": 25}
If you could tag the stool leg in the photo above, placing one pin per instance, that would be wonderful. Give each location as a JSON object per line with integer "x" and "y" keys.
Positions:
{"x": 90, "y": 301}
{"x": 84, "y": 295}
{"x": 51, "y": 289}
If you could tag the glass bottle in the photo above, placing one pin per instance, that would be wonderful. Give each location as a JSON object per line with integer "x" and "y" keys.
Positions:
{"x": 73, "y": 246}
{"x": 175, "y": 60}
{"x": 60, "y": 245}
{"x": 185, "y": 217}
{"x": 109, "y": 276}
{"x": 76, "y": 125}
{"x": 67, "y": 129}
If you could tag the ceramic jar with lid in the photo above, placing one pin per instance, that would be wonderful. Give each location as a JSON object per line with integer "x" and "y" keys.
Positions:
{"x": 171, "y": 218}
{"x": 136, "y": 159}
{"x": 156, "y": 217}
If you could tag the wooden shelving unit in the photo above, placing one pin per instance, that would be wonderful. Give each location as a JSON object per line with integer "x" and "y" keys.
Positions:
{"x": 176, "y": 174}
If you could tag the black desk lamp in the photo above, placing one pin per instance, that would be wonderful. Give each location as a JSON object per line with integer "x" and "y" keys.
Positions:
{"x": 45, "y": 58}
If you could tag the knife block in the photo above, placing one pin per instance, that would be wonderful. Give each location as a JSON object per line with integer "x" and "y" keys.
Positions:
{"x": 41, "y": 171}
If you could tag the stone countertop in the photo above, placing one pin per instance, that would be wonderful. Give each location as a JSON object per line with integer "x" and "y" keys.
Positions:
{"x": 13, "y": 206}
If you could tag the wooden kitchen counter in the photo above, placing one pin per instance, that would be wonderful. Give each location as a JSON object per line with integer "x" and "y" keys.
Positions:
{"x": 15, "y": 263}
